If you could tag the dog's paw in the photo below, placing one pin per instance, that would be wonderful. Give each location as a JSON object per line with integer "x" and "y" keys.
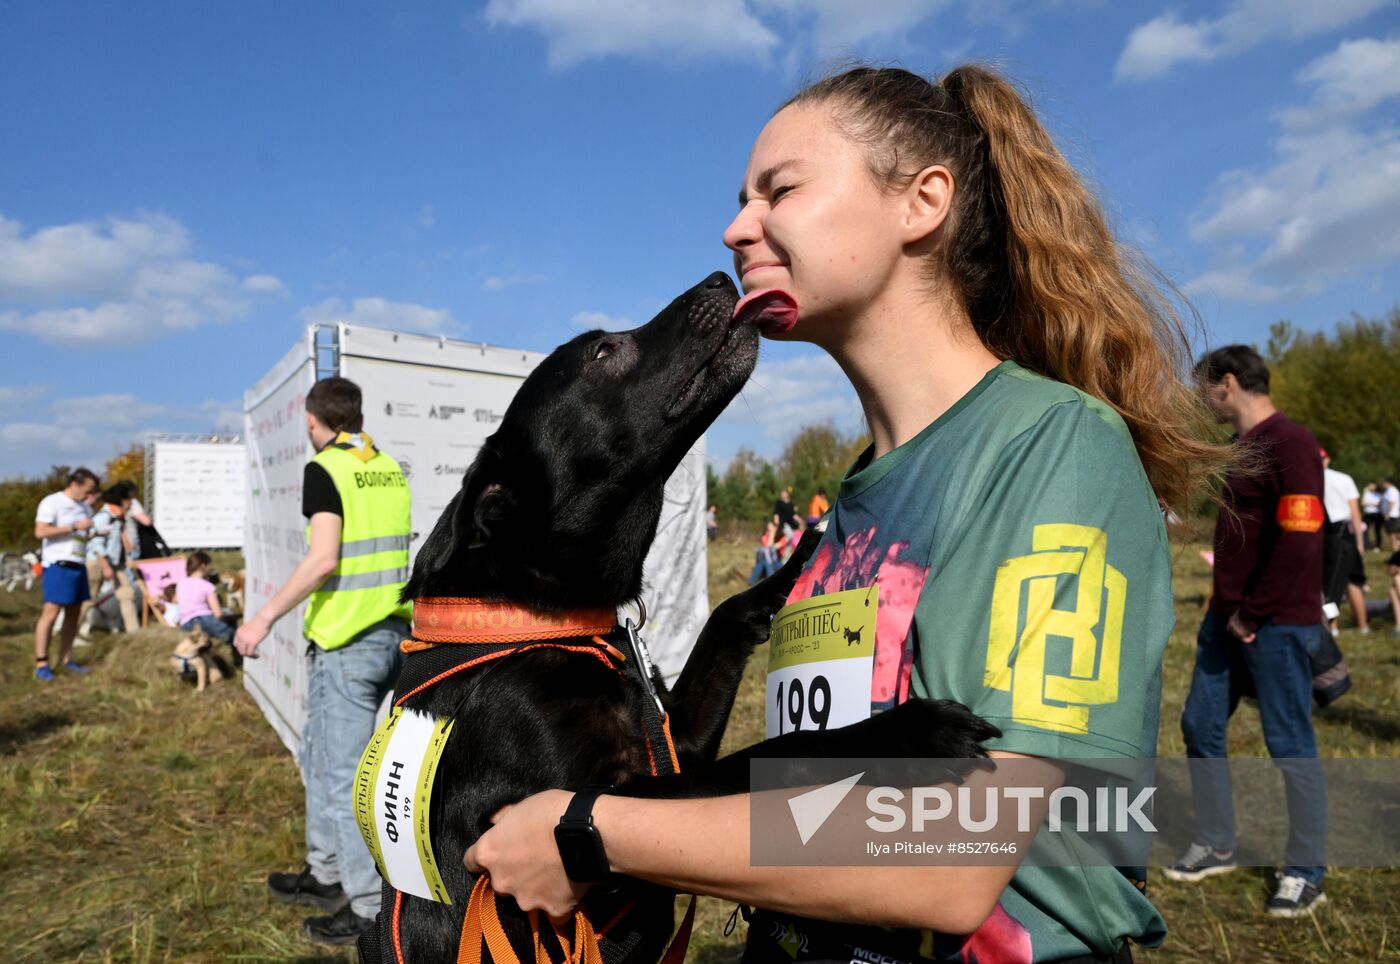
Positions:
{"x": 936, "y": 729}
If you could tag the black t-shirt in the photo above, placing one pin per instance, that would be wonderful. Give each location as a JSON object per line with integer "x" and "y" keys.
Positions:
{"x": 318, "y": 492}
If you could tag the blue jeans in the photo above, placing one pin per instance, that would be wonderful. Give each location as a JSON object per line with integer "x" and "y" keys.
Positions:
{"x": 345, "y": 689}
{"x": 765, "y": 563}
{"x": 213, "y": 628}
{"x": 1279, "y": 663}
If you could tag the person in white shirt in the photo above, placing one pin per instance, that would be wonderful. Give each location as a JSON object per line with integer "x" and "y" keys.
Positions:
{"x": 1371, "y": 515}
{"x": 1343, "y": 547}
{"x": 1390, "y": 508}
{"x": 136, "y": 516}
{"x": 62, "y": 522}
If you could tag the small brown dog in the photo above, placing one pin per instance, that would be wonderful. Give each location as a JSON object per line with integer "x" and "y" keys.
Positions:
{"x": 192, "y": 655}
{"x": 233, "y": 583}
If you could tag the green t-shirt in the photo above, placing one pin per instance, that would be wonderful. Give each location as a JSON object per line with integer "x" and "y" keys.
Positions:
{"x": 1023, "y": 570}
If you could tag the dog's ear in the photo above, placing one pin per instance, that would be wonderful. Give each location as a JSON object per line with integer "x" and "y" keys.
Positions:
{"x": 478, "y": 510}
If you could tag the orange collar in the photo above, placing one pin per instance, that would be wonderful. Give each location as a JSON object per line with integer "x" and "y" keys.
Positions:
{"x": 455, "y": 619}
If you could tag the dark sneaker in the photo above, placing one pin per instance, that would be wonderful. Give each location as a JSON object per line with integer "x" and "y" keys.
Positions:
{"x": 1295, "y": 897}
{"x": 341, "y": 928}
{"x": 304, "y": 888}
{"x": 78, "y": 668}
{"x": 1200, "y": 862}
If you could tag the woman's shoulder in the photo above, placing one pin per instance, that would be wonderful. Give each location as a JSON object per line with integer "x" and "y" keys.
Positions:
{"x": 1033, "y": 400}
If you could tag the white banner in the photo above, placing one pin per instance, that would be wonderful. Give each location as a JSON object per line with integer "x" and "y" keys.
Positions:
{"x": 277, "y": 451}
{"x": 199, "y": 493}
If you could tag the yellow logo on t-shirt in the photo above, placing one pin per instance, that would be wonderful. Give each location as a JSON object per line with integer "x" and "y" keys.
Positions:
{"x": 1024, "y": 621}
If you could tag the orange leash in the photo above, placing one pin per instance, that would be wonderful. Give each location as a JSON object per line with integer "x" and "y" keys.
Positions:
{"x": 483, "y": 924}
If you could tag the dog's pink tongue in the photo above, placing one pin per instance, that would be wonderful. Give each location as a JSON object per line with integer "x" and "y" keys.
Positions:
{"x": 772, "y": 311}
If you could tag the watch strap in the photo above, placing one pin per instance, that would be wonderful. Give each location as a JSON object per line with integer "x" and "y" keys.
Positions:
{"x": 580, "y": 808}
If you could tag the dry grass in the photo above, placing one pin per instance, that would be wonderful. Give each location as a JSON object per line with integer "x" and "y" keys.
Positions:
{"x": 139, "y": 819}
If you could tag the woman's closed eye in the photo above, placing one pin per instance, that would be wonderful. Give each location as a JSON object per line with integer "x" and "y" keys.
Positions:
{"x": 778, "y": 193}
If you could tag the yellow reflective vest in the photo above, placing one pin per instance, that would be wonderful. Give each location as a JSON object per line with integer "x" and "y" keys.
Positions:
{"x": 374, "y": 533}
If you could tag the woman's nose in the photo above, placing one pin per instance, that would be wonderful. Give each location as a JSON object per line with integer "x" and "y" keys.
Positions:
{"x": 745, "y": 229}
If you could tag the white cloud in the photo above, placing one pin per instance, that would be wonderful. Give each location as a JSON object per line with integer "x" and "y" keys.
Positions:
{"x": 579, "y": 30}
{"x": 499, "y": 282}
{"x": 589, "y": 320}
{"x": 783, "y": 395}
{"x": 379, "y": 313}
{"x": 1328, "y": 206}
{"x": 1350, "y": 80}
{"x": 1155, "y": 47}
{"x": 111, "y": 411}
{"x": 44, "y": 445}
{"x": 843, "y": 23}
{"x": 96, "y": 282}
{"x": 12, "y": 394}
{"x": 89, "y": 430}
{"x": 264, "y": 284}
{"x": 88, "y": 259}
{"x": 747, "y": 31}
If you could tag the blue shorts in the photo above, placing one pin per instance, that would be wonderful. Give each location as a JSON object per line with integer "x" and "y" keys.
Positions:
{"x": 65, "y": 585}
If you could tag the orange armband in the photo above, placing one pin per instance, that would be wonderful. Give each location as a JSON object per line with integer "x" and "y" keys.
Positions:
{"x": 1300, "y": 513}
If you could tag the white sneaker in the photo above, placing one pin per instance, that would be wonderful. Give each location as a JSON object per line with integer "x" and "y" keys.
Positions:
{"x": 1200, "y": 862}
{"x": 1295, "y": 897}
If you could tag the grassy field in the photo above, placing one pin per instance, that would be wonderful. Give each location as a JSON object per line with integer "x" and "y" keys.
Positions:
{"x": 139, "y": 819}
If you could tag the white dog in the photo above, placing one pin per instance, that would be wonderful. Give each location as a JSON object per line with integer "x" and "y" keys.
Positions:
{"x": 16, "y": 569}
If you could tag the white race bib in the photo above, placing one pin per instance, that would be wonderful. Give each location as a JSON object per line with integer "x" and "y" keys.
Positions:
{"x": 393, "y": 792}
{"x": 821, "y": 657}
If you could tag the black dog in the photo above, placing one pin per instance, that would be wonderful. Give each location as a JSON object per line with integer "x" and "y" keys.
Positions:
{"x": 557, "y": 512}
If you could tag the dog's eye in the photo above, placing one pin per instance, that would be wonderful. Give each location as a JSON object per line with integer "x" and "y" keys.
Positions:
{"x": 602, "y": 350}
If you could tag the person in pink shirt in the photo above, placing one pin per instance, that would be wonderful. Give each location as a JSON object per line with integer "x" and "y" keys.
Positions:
{"x": 199, "y": 600}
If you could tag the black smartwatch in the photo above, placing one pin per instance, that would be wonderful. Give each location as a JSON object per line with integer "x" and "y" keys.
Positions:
{"x": 580, "y": 844}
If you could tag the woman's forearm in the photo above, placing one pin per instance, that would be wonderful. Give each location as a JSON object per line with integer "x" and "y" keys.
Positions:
{"x": 702, "y": 846}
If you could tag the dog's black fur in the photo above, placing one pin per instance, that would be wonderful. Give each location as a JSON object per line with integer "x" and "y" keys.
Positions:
{"x": 558, "y": 511}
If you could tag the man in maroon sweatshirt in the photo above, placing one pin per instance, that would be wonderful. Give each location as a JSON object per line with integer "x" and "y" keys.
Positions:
{"x": 1262, "y": 628}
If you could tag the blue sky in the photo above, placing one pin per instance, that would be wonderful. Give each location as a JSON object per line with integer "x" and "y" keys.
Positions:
{"x": 184, "y": 186}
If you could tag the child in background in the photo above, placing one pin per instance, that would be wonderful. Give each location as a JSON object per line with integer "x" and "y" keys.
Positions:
{"x": 199, "y": 600}
{"x": 169, "y": 608}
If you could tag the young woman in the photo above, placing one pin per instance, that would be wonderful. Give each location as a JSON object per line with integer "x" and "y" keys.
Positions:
{"x": 1021, "y": 376}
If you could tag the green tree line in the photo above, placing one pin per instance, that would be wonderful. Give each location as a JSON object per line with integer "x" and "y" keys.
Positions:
{"x": 814, "y": 458}
{"x": 1341, "y": 386}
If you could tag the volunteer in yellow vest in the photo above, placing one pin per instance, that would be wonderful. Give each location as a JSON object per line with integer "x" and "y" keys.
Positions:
{"x": 355, "y": 498}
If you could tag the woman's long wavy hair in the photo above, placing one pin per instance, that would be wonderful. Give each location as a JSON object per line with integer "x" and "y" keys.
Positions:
{"x": 1027, "y": 250}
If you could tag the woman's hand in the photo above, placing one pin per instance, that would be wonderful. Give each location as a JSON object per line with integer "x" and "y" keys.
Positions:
{"x": 522, "y": 859}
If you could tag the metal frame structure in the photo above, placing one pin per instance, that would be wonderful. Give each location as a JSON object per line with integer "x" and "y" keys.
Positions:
{"x": 325, "y": 347}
